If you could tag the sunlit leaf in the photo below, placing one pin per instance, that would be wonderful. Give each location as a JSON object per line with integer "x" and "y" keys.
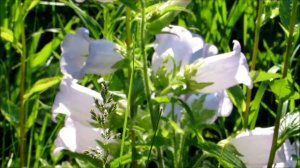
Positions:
{"x": 42, "y": 85}
{"x": 224, "y": 155}
{"x": 258, "y": 76}
{"x": 284, "y": 89}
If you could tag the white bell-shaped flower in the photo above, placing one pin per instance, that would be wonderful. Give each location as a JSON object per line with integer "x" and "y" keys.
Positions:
{"x": 102, "y": 56}
{"x": 75, "y": 101}
{"x": 81, "y": 55}
{"x": 75, "y": 50}
{"x": 223, "y": 70}
{"x": 218, "y": 104}
{"x": 255, "y": 147}
{"x": 76, "y": 137}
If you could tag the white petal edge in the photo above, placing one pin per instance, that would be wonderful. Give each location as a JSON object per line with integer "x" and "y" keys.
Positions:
{"x": 75, "y": 101}
{"x": 223, "y": 70}
{"x": 103, "y": 54}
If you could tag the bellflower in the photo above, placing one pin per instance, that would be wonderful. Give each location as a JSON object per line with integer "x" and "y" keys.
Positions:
{"x": 223, "y": 70}
{"x": 82, "y": 55}
{"x": 76, "y": 137}
{"x": 217, "y": 103}
{"x": 188, "y": 48}
{"x": 255, "y": 147}
{"x": 75, "y": 101}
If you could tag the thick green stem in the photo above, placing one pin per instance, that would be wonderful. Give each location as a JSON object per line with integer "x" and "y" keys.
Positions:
{"x": 284, "y": 74}
{"x": 129, "y": 103}
{"x": 253, "y": 61}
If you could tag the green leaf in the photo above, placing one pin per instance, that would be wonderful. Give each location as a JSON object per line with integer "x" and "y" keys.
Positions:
{"x": 176, "y": 128}
{"x": 131, "y": 4}
{"x": 270, "y": 11}
{"x": 33, "y": 115}
{"x": 237, "y": 97}
{"x": 42, "y": 56}
{"x": 10, "y": 111}
{"x": 259, "y": 76}
{"x": 284, "y": 89}
{"x": 125, "y": 159}
{"x": 165, "y": 15}
{"x": 224, "y": 155}
{"x": 88, "y": 21}
{"x": 285, "y": 10}
{"x": 42, "y": 85}
{"x": 162, "y": 99}
{"x": 86, "y": 158}
{"x": 289, "y": 126}
{"x": 255, "y": 104}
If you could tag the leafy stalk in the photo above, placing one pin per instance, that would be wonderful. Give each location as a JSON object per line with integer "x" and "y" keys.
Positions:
{"x": 253, "y": 61}
{"x": 145, "y": 71}
{"x": 284, "y": 74}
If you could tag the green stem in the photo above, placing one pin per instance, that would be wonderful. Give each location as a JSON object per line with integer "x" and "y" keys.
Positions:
{"x": 145, "y": 71}
{"x": 284, "y": 74}
{"x": 128, "y": 107}
{"x": 22, "y": 103}
{"x": 253, "y": 61}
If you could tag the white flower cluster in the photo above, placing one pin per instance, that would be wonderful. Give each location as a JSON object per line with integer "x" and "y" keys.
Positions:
{"x": 81, "y": 55}
{"x": 223, "y": 70}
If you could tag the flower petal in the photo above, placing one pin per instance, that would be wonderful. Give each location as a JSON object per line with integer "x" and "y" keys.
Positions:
{"x": 201, "y": 49}
{"x": 177, "y": 39}
{"x": 75, "y": 101}
{"x": 219, "y": 102}
{"x": 102, "y": 56}
{"x": 255, "y": 147}
{"x": 224, "y": 70}
{"x": 76, "y": 137}
{"x": 74, "y": 52}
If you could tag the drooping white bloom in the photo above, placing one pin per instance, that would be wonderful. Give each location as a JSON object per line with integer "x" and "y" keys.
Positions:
{"x": 76, "y": 137}
{"x": 75, "y": 49}
{"x": 255, "y": 147}
{"x": 102, "y": 53}
{"x": 223, "y": 70}
{"x": 217, "y": 103}
{"x": 187, "y": 48}
{"x": 82, "y": 55}
{"x": 75, "y": 101}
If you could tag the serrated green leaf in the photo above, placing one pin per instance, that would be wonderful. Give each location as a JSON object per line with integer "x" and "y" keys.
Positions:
{"x": 289, "y": 126}
{"x": 258, "y": 76}
{"x": 42, "y": 85}
{"x": 224, "y": 155}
